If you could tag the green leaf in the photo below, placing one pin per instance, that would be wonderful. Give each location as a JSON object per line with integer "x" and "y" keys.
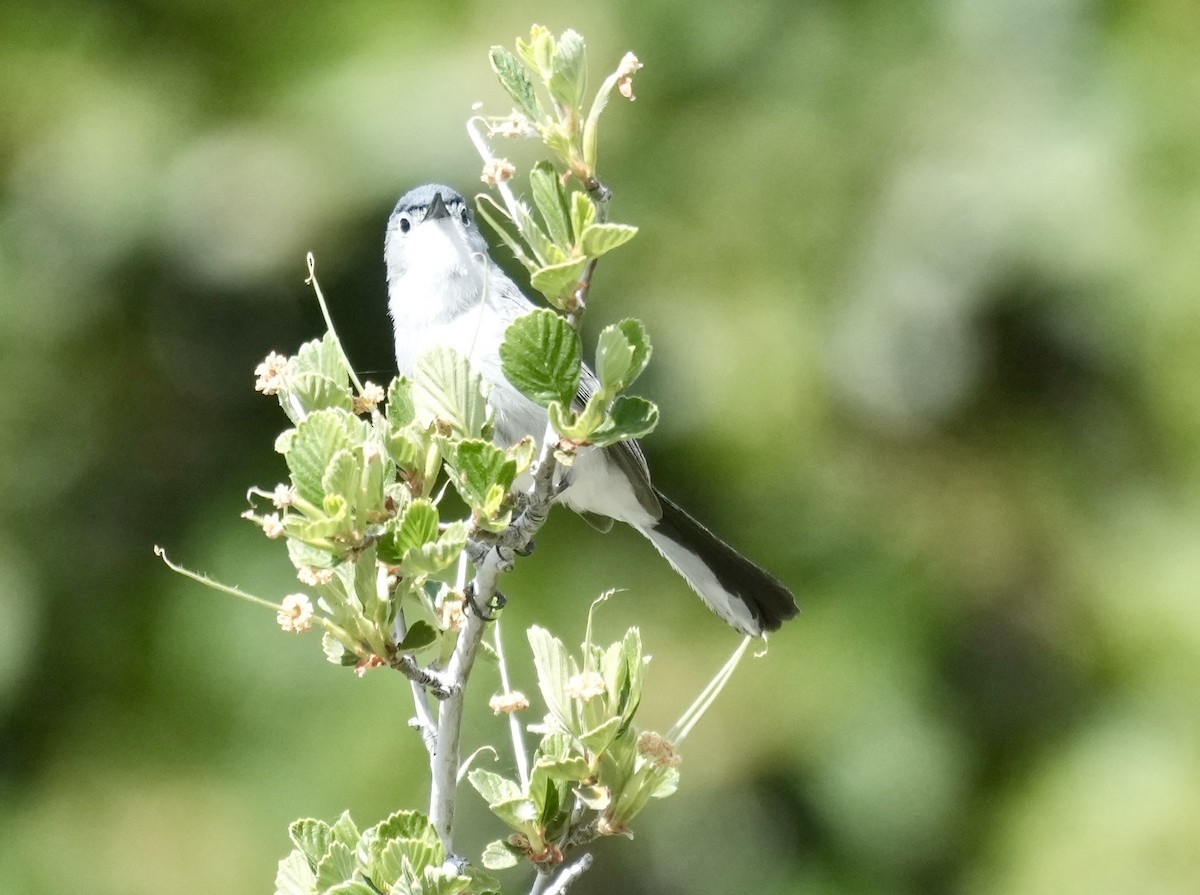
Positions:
{"x": 598, "y": 738}
{"x": 583, "y": 212}
{"x": 446, "y": 388}
{"x": 600, "y": 238}
{"x": 543, "y": 247}
{"x": 557, "y": 281}
{"x": 400, "y": 407}
{"x": 572, "y": 769}
{"x": 312, "y": 837}
{"x": 553, "y": 671}
{"x": 478, "y": 466}
{"x": 499, "y": 855}
{"x": 324, "y": 357}
{"x": 415, "y": 528}
{"x": 569, "y": 80}
{"x": 337, "y": 866}
{"x": 343, "y": 475}
{"x": 312, "y": 391}
{"x": 518, "y": 250}
{"x": 344, "y": 831}
{"x": 493, "y": 787}
{"x": 622, "y": 352}
{"x": 515, "y": 80}
{"x": 294, "y": 876}
{"x": 318, "y": 437}
{"x": 540, "y": 356}
{"x": 551, "y": 201}
{"x": 420, "y": 635}
{"x": 628, "y": 418}
{"x": 522, "y": 453}
{"x": 353, "y": 887}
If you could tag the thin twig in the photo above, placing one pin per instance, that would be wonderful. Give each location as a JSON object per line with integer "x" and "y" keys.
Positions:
{"x": 514, "y": 724}
{"x": 542, "y": 885}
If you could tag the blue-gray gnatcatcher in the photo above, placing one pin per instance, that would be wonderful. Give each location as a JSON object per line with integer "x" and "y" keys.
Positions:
{"x": 444, "y": 289}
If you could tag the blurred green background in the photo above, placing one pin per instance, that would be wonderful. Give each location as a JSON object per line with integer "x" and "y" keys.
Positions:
{"x": 922, "y": 279}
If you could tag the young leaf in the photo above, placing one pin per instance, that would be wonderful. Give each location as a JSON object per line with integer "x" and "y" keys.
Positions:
{"x": 312, "y": 837}
{"x": 540, "y": 356}
{"x": 553, "y": 671}
{"x": 312, "y": 391}
{"x": 417, "y": 527}
{"x": 294, "y": 876}
{"x": 351, "y": 887}
{"x": 614, "y": 359}
{"x": 400, "y": 407}
{"x": 337, "y": 866}
{"x": 583, "y": 212}
{"x": 343, "y": 476}
{"x": 420, "y": 635}
{"x": 569, "y": 80}
{"x": 551, "y": 201}
{"x": 499, "y": 855}
{"x": 628, "y": 418}
{"x": 446, "y": 388}
{"x": 494, "y": 788}
{"x": 556, "y": 281}
{"x": 597, "y": 239}
{"x": 478, "y": 465}
{"x": 515, "y": 80}
{"x": 344, "y": 831}
{"x": 318, "y": 437}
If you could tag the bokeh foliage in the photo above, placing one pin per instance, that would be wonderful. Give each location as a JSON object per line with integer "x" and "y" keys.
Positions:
{"x": 922, "y": 279}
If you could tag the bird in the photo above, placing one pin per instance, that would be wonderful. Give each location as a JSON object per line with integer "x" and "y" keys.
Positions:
{"x": 444, "y": 289}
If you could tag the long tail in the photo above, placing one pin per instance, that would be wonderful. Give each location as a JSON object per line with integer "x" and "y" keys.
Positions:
{"x": 749, "y": 598}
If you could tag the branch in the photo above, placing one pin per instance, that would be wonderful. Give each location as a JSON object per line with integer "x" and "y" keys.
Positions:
{"x": 543, "y": 886}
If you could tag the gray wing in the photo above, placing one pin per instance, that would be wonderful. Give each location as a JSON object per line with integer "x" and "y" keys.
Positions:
{"x": 627, "y": 455}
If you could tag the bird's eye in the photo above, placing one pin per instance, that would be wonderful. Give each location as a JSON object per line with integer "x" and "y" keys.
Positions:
{"x": 405, "y": 223}
{"x": 466, "y": 218}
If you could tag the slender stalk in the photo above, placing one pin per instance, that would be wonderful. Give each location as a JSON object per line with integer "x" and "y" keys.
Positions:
{"x": 514, "y": 725}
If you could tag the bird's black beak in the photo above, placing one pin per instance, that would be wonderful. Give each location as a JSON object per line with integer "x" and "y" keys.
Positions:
{"x": 437, "y": 208}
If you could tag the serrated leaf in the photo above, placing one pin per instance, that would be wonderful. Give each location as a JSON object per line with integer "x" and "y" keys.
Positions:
{"x": 446, "y": 388}
{"x": 478, "y": 466}
{"x": 324, "y": 357}
{"x": 498, "y": 855}
{"x": 345, "y": 831}
{"x": 557, "y": 281}
{"x": 493, "y": 787}
{"x": 312, "y": 391}
{"x": 401, "y": 410}
{"x": 599, "y": 737}
{"x": 439, "y": 555}
{"x": 522, "y": 453}
{"x": 318, "y": 437}
{"x": 583, "y": 212}
{"x": 343, "y": 476}
{"x": 519, "y": 813}
{"x": 629, "y": 417}
{"x": 352, "y": 887}
{"x": 294, "y": 876}
{"x": 540, "y": 356}
{"x": 622, "y": 352}
{"x": 312, "y": 837}
{"x": 569, "y": 80}
{"x": 553, "y": 671}
{"x": 544, "y": 249}
{"x": 337, "y": 866}
{"x": 571, "y": 769}
{"x": 420, "y": 634}
{"x": 416, "y": 527}
{"x": 597, "y": 239}
{"x": 551, "y": 201}
{"x": 515, "y": 81}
